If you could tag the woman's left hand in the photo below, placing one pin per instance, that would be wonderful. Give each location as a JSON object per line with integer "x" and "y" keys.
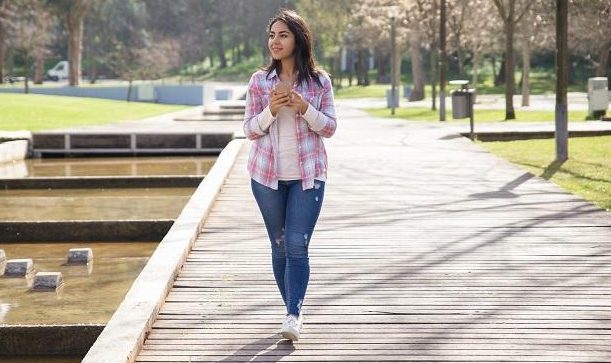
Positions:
{"x": 298, "y": 103}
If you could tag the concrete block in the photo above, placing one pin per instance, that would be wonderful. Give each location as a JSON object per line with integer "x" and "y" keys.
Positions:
{"x": 2, "y": 262}
{"x": 80, "y": 256}
{"x": 19, "y": 267}
{"x": 47, "y": 281}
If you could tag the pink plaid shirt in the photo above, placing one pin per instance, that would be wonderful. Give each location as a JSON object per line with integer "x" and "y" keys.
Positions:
{"x": 262, "y": 161}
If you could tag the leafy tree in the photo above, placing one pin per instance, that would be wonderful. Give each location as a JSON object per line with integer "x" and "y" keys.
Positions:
{"x": 510, "y": 12}
{"x": 589, "y": 35}
{"x": 73, "y": 13}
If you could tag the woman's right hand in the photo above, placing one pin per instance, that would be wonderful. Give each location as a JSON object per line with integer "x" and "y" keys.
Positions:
{"x": 278, "y": 100}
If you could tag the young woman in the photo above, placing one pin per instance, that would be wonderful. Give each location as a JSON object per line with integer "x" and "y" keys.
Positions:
{"x": 289, "y": 109}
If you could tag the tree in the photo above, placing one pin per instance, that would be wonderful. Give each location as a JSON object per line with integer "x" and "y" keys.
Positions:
{"x": 423, "y": 23}
{"x": 589, "y": 35}
{"x": 31, "y": 35}
{"x": 536, "y": 31}
{"x": 510, "y": 15}
{"x": 329, "y": 20}
{"x": 73, "y": 12}
{"x": 7, "y": 12}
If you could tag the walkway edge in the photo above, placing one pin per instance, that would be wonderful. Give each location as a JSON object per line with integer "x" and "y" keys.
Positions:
{"x": 127, "y": 329}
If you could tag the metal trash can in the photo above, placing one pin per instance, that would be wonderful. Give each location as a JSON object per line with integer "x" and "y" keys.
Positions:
{"x": 389, "y": 97}
{"x": 462, "y": 99}
{"x": 407, "y": 91}
{"x": 598, "y": 96}
{"x": 460, "y": 104}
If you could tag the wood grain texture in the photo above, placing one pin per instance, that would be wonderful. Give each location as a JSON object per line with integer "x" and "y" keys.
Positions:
{"x": 428, "y": 249}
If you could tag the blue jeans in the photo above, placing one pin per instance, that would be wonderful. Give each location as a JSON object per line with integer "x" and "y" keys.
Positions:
{"x": 290, "y": 215}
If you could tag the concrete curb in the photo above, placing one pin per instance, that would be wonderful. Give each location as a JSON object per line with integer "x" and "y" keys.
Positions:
{"x": 47, "y": 339}
{"x": 62, "y": 231}
{"x": 126, "y": 331}
{"x": 13, "y": 150}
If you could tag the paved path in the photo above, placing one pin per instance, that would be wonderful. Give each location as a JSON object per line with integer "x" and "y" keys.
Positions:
{"x": 428, "y": 249}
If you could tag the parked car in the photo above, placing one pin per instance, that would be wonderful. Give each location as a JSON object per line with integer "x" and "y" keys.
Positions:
{"x": 59, "y": 71}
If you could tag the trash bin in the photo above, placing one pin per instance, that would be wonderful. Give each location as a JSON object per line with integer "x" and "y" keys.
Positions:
{"x": 460, "y": 104}
{"x": 598, "y": 96}
{"x": 407, "y": 91}
{"x": 389, "y": 96}
{"x": 462, "y": 99}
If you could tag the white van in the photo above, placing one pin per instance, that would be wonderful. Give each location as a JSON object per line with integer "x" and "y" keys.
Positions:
{"x": 59, "y": 71}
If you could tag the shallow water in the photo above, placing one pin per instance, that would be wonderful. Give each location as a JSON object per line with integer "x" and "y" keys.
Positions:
{"x": 92, "y": 204}
{"x": 108, "y": 166}
{"x": 90, "y": 294}
{"x": 40, "y": 359}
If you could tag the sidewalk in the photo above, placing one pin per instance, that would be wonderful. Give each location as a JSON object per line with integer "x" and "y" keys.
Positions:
{"x": 428, "y": 249}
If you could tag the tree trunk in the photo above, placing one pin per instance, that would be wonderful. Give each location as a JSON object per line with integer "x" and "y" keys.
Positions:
{"x": 2, "y": 36}
{"x": 397, "y": 70}
{"x": 500, "y": 77}
{"x": 433, "y": 78}
{"x": 38, "y": 70}
{"x": 362, "y": 68}
{"x": 221, "y": 48}
{"x": 475, "y": 68}
{"x": 526, "y": 74}
{"x": 93, "y": 72}
{"x": 75, "y": 30}
{"x": 494, "y": 75}
{"x": 129, "y": 90}
{"x": 417, "y": 69}
{"x": 26, "y": 81}
{"x": 603, "y": 60}
{"x": 461, "y": 63}
{"x": 509, "y": 66}
{"x": 381, "y": 65}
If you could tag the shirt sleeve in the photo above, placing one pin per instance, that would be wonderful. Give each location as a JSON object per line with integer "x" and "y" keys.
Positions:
{"x": 323, "y": 121}
{"x": 257, "y": 116}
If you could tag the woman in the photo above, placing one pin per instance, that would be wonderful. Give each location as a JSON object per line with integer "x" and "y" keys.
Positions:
{"x": 289, "y": 109}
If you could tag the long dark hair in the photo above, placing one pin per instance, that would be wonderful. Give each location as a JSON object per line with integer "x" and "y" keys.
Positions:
{"x": 307, "y": 70}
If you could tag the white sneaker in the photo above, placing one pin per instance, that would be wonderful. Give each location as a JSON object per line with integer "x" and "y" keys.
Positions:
{"x": 291, "y": 327}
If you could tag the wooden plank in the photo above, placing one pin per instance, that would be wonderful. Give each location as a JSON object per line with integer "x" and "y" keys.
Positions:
{"x": 427, "y": 250}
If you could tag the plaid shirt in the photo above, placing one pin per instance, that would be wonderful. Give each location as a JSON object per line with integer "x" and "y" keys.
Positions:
{"x": 317, "y": 122}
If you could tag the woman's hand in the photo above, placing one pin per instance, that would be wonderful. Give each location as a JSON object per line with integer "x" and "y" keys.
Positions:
{"x": 297, "y": 102}
{"x": 278, "y": 100}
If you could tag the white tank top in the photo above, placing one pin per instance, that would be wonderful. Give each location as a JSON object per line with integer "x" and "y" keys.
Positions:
{"x": 288, "y": 156}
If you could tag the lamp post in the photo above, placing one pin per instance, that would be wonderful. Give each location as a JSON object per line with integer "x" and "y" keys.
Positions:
{"x": 562, "y": 152}
{"x": 393, "y": 66}
{"x": 442, "y": 61}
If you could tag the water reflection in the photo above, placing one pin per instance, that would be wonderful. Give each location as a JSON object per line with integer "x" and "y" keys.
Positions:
{"x": 123, "y": 166}
{"x": 13, "y": 169}
{"x": 88, "y": 295}
{"x": 92, "y": 204}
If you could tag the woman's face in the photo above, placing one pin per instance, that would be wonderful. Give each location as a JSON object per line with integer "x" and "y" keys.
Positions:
{"x": 281, "y": 41}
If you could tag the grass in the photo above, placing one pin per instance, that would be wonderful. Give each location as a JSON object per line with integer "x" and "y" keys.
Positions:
{"x": 426, "y": 114}
{"x": 41, "y": 112}
{"x": 587, "y": 173}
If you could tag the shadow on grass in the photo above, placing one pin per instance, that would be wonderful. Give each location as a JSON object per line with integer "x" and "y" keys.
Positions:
{"x": 551, "y": 169}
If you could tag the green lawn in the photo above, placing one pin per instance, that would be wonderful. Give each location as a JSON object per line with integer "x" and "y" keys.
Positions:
{"x": 40, "y": 112}
{"x": 587, "y": 173}
{"x": 426, "y": 114}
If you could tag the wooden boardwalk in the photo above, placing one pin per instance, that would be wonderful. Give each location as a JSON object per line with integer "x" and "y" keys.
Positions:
{"x": 428, "y": 249}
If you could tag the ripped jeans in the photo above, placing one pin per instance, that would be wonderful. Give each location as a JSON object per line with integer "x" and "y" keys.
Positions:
{"x": 290, "y": 215}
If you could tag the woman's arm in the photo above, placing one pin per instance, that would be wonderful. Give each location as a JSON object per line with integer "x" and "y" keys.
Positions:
{"x": 323, "y": 121}
{"x": 257, "y": 116}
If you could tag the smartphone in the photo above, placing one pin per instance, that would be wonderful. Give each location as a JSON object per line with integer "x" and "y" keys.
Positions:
{"x": 283, "y": 87}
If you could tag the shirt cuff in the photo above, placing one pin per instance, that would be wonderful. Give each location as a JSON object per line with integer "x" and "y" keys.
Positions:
{"x": 311, "y": 116}
{"x": 265, "y": 119}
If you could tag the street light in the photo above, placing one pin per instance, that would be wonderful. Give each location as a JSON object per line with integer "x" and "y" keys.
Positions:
{"x": 393, "y": 50}
{"x": 392, "y": 12}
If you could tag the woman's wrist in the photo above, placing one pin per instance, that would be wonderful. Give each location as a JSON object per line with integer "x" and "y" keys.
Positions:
{"x": 304, "y": 107}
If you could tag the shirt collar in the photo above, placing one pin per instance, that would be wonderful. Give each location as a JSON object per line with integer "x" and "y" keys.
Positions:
{"x": 272, "y": 74}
